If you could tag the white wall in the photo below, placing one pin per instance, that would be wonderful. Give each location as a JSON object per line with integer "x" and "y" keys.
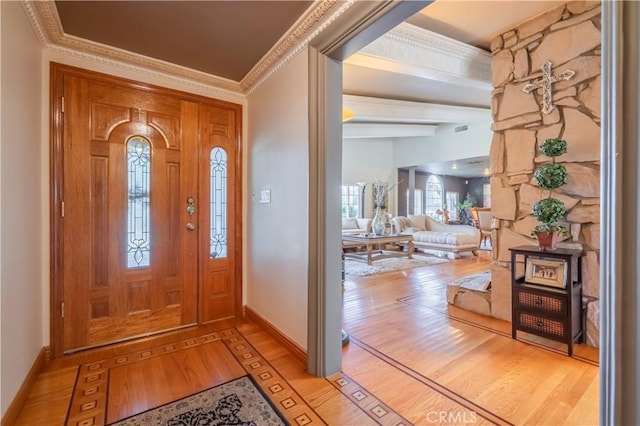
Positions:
{"x": 366, "y": 160}
{"x": 445, "y": 145}
{"x": 21, "y": 227}
{"x": 278, "y": 160}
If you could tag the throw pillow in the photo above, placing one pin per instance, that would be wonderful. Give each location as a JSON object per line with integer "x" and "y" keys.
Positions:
{"x": 349, "y": 223}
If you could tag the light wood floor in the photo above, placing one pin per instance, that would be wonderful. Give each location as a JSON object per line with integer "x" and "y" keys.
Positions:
{"x": 411, "y": 360}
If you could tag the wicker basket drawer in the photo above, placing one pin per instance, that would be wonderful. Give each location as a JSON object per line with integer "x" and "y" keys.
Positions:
{"x": 543, "y": 302}
{"x": 541, "y": 325}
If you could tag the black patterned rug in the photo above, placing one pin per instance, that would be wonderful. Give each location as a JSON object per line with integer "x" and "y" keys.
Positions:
{"x": 238, "y": 402}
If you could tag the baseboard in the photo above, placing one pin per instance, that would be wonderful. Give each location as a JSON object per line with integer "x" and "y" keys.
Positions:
{"x": 11, "y": 415}
{"x": 285, "y": 341}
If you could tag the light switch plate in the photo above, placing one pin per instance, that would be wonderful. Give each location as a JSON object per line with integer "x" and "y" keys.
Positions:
{"x": 265, "y": 196}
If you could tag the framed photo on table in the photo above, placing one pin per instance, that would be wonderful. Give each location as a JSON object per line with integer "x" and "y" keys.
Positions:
{"x": 547, "y": 272}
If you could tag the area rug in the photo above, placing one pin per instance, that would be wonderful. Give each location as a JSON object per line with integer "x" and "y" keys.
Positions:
{"x": 361, "y": 269}
{"x": 238, "y": 402}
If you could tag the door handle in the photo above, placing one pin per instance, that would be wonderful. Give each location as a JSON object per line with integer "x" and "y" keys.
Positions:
{"x": 191, "y": 226}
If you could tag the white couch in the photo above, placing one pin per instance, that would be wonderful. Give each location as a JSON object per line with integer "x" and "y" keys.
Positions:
{"x": 429, "y": 234}
{"x": 355, "y": 225}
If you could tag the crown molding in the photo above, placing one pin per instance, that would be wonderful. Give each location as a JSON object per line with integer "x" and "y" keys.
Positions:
{"x": 48, "y": 27}
{"x": 46, "y": 23}
{"x": 313, "y": 22}
{"x": 377, "y": 110}
{"x": 415, "y": 51}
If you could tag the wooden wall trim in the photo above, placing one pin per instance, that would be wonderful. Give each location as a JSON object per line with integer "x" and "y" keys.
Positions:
{"x": 13, "y": 411}
{"x": 296, "y": 350}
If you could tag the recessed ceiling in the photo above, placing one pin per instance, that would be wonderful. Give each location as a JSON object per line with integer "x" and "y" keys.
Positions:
{"x": 223, "y": 38}
{"x": 465, "y": 167}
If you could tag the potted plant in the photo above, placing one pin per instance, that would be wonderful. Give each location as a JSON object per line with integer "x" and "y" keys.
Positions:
{"x": 550, "y": 210}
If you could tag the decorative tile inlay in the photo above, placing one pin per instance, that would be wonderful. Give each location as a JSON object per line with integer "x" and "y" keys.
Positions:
{"x": 275, "y": 388}
{"x": 266, "y": 375}
{"x": 303, "y": 420}
{"x": 359, "y": 395}
{"x": 366, "y": 401}
{"x": 294, "y": 407}
{"x": 288, "y": 403}
{"x": 378, "y": 411}
{"x": 88, "y": 403}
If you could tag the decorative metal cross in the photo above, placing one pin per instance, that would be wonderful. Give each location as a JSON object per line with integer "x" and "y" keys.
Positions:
{"x": 545, "y": 83}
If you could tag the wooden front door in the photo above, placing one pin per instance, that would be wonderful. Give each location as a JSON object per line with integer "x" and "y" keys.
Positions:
{"x": 133, "y": 210}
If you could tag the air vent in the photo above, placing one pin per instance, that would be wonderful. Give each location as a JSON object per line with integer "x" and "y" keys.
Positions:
{"x": 461, "y": 129}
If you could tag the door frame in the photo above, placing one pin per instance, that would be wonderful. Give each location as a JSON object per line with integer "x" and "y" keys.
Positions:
{"x": 619, "y": 378}
{"x": 57, "y": 71}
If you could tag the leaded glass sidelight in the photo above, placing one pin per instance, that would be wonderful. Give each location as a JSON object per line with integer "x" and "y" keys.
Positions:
{"x": 138, "y": 203}
{"x": 218, "y": 200}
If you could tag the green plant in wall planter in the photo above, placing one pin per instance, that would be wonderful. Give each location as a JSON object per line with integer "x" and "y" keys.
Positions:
{"x": 550, "y": 210}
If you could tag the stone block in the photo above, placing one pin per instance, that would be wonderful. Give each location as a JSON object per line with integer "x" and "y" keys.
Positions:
{"x": 575, "y": 231}
{"x": 582, "y": 135}
{"x": 503, "y": 200}
{"x": 590, "y": 97}
{"x": 551, "y": 118}
{"x": 501, "y": 68}
{"x": 577, "y": 18}
{"x": 526, "y": 42}
{"x": 593, "y": 323}
{"x": 565, "y": 44}
{"x": 501, "y": 292}
{"x": 520, "y": 121}
{"x": 520, "y": 147}
{"x": 586, "y": 68}
{"x": 559, "y": 94}
{"x": 497, "y": 43}
{"x": 568, "y": 102}
{"x": 578, "y": 7}
{"x": 516, "y": 102}
{"x": 518, "y": 179}
{"x": 591, "y": 275}
{"x": 590, "y": 234}
{"x": 584, "y": 214}
{"x": 582, "y": 180}
{"x": 521, "y": 64}
{"x": 540, "y": 23}
{"x": 471, "y": 300}
{"x": 507, "y": 239}
{"x": 496, "y": 153}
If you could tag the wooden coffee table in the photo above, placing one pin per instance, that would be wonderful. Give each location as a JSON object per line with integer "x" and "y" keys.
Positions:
{"x": 370, "y": 240}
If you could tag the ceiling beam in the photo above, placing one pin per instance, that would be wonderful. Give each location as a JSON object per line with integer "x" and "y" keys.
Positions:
{"x": 386, "y": 130}
{"x": 376, "y": 110}
{"x": 411, "y": 50}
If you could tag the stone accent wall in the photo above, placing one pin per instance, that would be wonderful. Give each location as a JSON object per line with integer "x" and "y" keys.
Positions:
{"x": 569, "y": 37}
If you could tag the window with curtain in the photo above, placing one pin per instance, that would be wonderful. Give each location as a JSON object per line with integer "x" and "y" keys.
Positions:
{"x": 434, "y": 195}
{"x": 350, "y": 200}
{"x": 418, "y": 200}
{"x": 452, "y": 199}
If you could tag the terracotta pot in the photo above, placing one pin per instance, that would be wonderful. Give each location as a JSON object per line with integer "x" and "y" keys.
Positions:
{"x": 547, "y": 240}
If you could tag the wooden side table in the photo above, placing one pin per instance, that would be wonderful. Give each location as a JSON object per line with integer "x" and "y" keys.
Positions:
{"x": 547, "y": 300}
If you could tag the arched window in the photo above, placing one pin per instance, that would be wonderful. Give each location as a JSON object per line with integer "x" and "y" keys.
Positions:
{"x": 434, "y": 195}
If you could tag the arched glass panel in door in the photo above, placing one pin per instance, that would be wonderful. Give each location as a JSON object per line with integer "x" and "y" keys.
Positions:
{"x": 138, "y": 202}
{"x": 218, "y": 200}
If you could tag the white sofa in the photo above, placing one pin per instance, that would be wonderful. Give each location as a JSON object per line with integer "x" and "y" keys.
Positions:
{"x": 429, "y": 234}
{"x": 355, "y": 225}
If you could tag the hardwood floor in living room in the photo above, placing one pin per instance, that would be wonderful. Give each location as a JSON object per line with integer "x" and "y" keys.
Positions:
{"x": 412, "y": 359}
